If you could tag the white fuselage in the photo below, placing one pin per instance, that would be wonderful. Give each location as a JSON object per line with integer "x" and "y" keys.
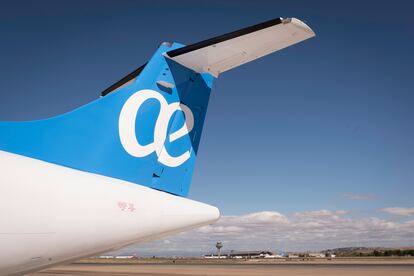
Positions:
{"x": 51, "y": 214}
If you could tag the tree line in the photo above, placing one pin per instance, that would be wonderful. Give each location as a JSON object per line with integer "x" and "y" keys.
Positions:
{"x": 393, "y": 252}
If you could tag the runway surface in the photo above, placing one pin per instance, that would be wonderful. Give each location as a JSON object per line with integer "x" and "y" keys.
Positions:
{"x": 230, "y": 270}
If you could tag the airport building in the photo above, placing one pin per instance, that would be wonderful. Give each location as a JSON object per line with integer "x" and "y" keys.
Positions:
{"x": 245, "y": 255}
{"x": 316, "y": 255}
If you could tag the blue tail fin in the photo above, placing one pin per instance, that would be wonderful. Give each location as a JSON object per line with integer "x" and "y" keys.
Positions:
{"x": 146, "y": 129}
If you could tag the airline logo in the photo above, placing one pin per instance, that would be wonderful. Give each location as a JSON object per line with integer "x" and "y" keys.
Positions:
{"x": 127, "y": 132}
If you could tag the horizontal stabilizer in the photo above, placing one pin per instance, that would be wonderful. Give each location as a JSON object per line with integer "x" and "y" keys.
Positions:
{"x": 222, "y": 53}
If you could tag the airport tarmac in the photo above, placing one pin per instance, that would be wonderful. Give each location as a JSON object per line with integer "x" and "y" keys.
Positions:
{"x": 230, "y": 270}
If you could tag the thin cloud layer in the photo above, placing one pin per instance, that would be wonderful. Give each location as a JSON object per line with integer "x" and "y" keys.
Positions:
{"x": 400, "y": 211}
{"x": 354, "y": 196}
{"x": 312, "y": 230}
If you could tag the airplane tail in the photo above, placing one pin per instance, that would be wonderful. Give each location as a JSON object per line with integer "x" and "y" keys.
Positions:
{"x": 146, "y": 128}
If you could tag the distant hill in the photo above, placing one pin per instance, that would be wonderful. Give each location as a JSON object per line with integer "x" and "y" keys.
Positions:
{"x": 371, "y": 251}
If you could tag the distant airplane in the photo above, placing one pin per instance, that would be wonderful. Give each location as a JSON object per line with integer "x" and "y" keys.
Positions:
{"x": 117, "y": 171}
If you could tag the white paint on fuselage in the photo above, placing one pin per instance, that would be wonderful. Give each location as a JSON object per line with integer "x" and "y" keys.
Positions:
{"x": 51, "y": 214}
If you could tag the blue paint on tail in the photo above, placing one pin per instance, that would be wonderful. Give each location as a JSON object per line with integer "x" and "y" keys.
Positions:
{"x": 89, "y": 137}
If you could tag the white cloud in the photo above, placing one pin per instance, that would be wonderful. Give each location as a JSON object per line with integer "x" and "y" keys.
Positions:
{"x": 320, "y": 214}
{"x": 311, "y": 230}
{"x": 220, "y": 229}
{"x": 354, "y": 196}
{"x": 399, "y": 211}
{"x": 263, "y": 217}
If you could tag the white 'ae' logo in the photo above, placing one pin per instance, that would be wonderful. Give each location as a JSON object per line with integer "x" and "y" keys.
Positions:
{"x": 127, "y": 134}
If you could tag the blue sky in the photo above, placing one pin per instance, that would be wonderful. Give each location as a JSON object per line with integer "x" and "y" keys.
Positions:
{"x": 327, "y": 124}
